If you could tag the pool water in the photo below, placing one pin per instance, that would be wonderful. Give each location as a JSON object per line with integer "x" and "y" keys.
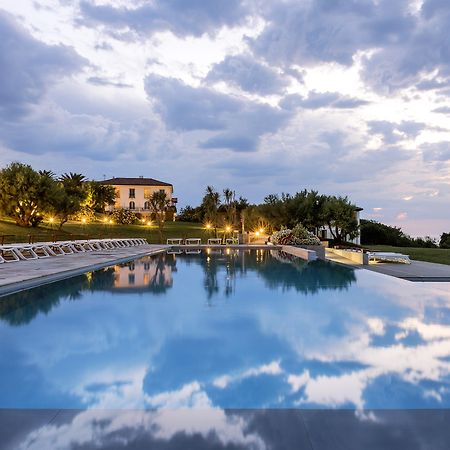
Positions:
{"x": 226, "y": 329}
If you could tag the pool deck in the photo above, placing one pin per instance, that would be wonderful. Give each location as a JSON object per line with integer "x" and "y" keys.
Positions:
{"x": 416, "y": 271}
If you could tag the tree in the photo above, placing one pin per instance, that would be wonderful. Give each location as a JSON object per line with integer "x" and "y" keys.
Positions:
{"x": 445, "y": 240}
{"x": 159, "y": 203}
{"x": 98, "y": 196}
{"x": 71, "y": 197}
{"x": 340, "y": 217}
{"x": 210, "y": 205}
{"x": 189, "y": 214}
{"x": 230, "y": 206}
{"x": 25, "y": 194}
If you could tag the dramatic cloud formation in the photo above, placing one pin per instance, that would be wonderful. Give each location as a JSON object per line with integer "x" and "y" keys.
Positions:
{"x": 29, "y": 67}
{"x": 260, "y": 96}
{"x": 181, "y": 17}
{"x": 240, "y": 123}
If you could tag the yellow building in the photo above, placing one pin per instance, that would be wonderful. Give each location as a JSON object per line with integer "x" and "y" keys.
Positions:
{"x": 134, "y": 193}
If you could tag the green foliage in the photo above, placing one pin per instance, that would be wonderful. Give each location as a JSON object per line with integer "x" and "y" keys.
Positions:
{"x": 98, "y": 196}
{"x": 376, "y": 233}
{"x": 210, "y": 206}
{"x": 305, "y": 237}
{"x": 124, "y": 217}
{"x": 25, "y": 194}
{"x": 445, "y": 240}
{"x": 159, "y": 204}
{"x": 299, "y": 235}
{"x": 190, "y": 214}
{"x": 72, "y": 195}
{"x": 340, "y": 216}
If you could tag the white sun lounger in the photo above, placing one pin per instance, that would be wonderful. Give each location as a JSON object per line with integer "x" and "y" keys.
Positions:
{"x": 175, "y": 241}
{"x": 389, "y": 257}
{"x": 9, "y": 254}
{"x": 214, "y": 241}
{"x": 231, "y": 241}
{"x": 193, "y": 241}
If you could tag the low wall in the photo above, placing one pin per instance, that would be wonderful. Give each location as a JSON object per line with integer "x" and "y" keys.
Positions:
{"x": 357, "y": 257}
{"x": 303, "y": 253}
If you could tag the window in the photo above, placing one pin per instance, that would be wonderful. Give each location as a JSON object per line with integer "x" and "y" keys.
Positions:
{"x": 162, "y": 191}
{"x": 131, "y": 278}
{"x": 132, "y": 205}
{"x": 147, "y": 193}
{"x": 147, "y": 205}
{"x": 132, "y": 193}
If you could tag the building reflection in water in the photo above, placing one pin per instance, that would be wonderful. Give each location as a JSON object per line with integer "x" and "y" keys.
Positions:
{"x": 144, "y": 273}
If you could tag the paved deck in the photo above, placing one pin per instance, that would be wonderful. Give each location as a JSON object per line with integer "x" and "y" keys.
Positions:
{"x": 21, "y": 275}
{"x": 416, "y": 271}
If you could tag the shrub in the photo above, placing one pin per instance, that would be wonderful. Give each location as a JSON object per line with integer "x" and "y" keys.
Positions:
{"x": 445, "y": 240}
{"x": 124, "y": 216}
{"x": 299, "y": 235}
{"x": 305, "y": 237}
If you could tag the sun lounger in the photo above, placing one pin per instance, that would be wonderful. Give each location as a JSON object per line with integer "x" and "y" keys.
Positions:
{"x": 231, "y": 241}
{"x": 389, "y": 257}
{"x": 175, "y": 241}
{"x": 9, "y": 254}
{"x": 214, "y": 241}
{"x": 193, "y": 241}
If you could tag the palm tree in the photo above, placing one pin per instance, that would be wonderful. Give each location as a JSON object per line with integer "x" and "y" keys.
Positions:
{"x": 211, "y": 203}
{"x": 230, "y": 206}
{"x": 158, "y": 206}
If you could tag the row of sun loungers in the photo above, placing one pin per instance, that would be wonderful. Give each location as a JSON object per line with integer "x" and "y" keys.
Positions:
{"x": 198, "y": 241}
{"x": 23, "y": 252}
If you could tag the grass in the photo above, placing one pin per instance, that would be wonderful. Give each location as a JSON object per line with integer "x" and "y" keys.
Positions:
{"x": 434, "y": 255}
{"x": 98, "y": 229}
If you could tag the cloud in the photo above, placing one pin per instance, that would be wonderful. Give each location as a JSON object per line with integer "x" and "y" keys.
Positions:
{"x": 402, "y": 47}
{"x": 53, "y": 130}
{"x": 181, "y": 17}
{"x": 100, "y": 81}
{"x": 240, "y": 123}
{"x": 436, "y": 152}
{"x": 442, "y": 110}
{"x": 392, "y": 132}
{"x": 306, "y": 33}
{"x": 28, "y": 67}
{"x": 316, "y": 100}
{"x": 246, "y": 73}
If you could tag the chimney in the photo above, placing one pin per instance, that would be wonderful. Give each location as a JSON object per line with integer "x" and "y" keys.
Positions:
{"x": 141, "y": 176}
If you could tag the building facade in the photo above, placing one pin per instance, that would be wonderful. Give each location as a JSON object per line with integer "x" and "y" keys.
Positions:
{"x": 134, "y": 193}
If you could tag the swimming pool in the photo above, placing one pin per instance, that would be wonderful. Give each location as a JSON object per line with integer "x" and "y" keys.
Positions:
{"x": 226, "y": 329}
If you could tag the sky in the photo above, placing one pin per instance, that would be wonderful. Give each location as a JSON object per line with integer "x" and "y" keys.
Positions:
{"x": 347, "y": 97}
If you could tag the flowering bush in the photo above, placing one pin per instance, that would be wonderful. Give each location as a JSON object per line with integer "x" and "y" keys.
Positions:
{"x": 284, "y": 237}
{"x": 304, "y": 236}
{"x": 297, "y": 236}
{"x": 124, "y": 216}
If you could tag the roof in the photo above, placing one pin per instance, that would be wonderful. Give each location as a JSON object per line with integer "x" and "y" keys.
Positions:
{"x": 139, "y": 181}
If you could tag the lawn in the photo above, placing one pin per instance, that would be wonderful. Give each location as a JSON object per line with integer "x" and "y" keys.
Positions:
{"x": 98, "y": 229}
{"x": 435, "y": 255}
